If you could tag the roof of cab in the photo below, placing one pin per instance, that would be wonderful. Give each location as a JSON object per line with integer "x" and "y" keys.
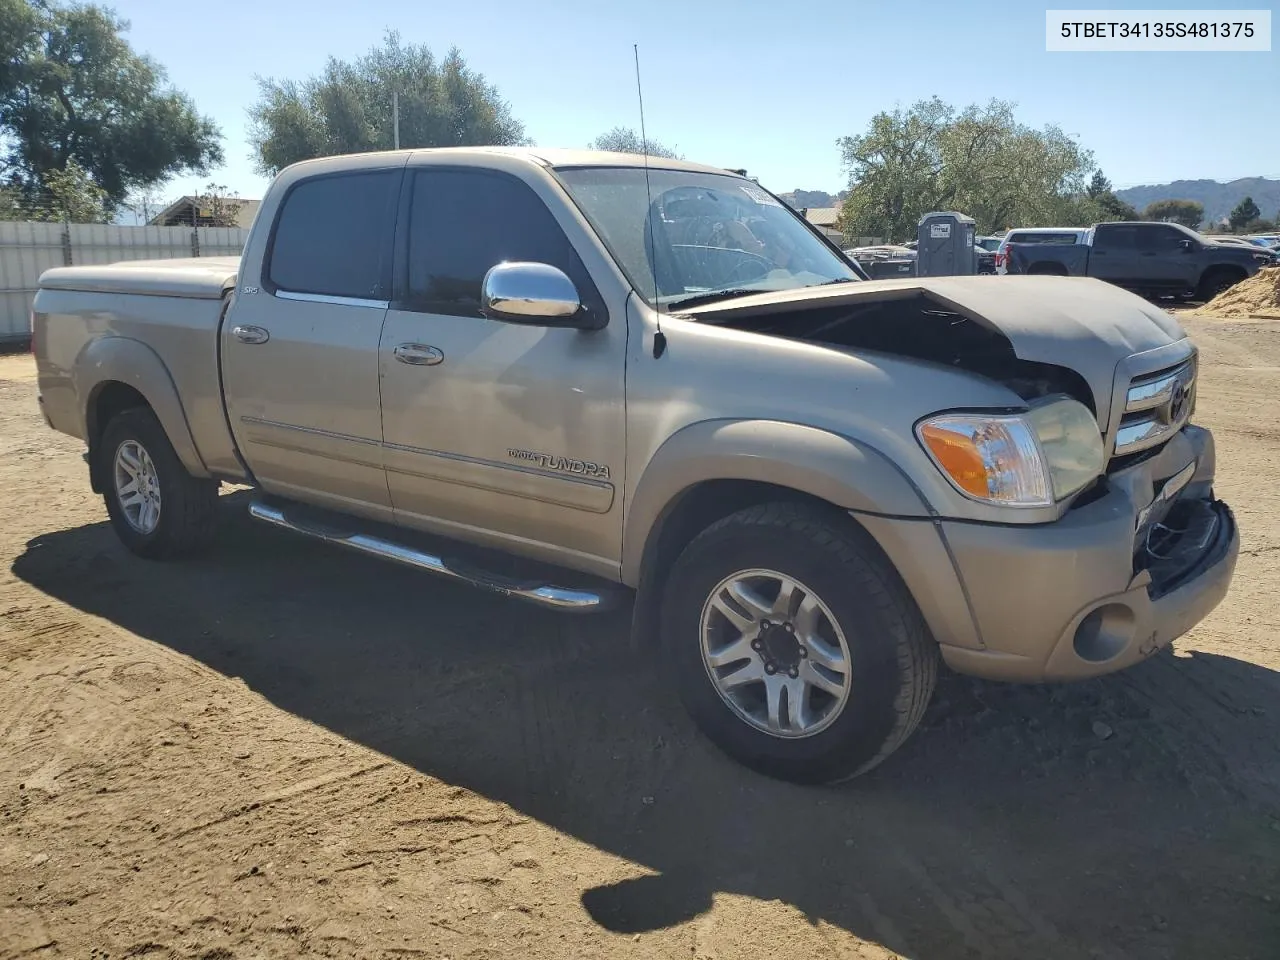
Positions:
{"x": 553, "y": 157}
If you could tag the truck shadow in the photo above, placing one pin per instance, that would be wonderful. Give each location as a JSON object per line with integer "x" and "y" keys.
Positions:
{"x": 1134, "y": 816}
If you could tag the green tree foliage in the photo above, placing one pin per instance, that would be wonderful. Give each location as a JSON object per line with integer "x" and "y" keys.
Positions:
{"x": 1245, "y": 212}
{"x": 978, "y": 160}
{"x": 1103, "y": 203}
{"x": 626, "y": 140}
{"x": 347, "y": 109}
{"x": 1186, "y": 212}
{"x": 72, "y": 89}
{"x": 75, "y": 196}
{"x": 1110, "y": 207}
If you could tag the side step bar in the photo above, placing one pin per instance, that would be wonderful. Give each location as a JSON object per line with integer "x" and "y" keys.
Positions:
{"x": 565, "y": 599}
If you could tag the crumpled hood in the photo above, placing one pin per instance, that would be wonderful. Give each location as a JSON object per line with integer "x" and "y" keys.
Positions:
{"x": 1084, "y": 324}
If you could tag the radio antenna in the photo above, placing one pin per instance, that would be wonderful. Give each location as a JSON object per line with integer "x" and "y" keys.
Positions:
{"x": 659, "y": 338}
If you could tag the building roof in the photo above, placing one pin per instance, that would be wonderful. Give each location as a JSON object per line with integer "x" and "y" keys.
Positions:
{"x": 823, "y": 216}
{"x": 180, "y": 212}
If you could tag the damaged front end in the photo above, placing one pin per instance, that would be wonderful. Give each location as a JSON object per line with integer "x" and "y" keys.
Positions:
{"x": 1099, "y": 574}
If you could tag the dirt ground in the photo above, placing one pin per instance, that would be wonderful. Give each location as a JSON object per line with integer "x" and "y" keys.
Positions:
{"x": 283, "y": 750}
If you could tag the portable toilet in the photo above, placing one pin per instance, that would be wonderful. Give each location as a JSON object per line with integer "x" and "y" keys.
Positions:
{"x": 945, "y": 245}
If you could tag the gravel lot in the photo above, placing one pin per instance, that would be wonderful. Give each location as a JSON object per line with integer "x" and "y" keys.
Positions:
{"x": 286, "y": 751}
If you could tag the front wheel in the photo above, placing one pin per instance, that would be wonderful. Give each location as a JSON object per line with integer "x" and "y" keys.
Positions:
{"x": 796, "y": 646}
{"x": 158, "y": 510}
{"x": 1215, "y": 282}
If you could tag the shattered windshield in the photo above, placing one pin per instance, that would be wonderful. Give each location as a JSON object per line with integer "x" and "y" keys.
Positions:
{"x": 703, "y": 234}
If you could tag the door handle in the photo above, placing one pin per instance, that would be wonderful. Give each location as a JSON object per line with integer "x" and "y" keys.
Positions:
{"x": 250, "y": 334}
{"x": 418, "y": 354}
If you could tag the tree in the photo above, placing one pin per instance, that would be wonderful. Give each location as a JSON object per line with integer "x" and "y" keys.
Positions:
{"x": 1189, "y": 213}
{"x": 1245, "y": 211}
{"x": 1103, "y": 203}
{"x": 979, "y": 160}
{"x": 348, "y": 108}
{"x": 1111, "y": 208}
{"x": 75, "y": 196}
{"x": 215, "y": 208}
{"x": 626, "y": 140}
{"x": 71, "y": 88}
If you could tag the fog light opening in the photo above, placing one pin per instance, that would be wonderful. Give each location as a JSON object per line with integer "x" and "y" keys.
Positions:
{"x": 1104, "y": 633}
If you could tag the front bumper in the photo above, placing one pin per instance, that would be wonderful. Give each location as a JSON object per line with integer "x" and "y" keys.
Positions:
{"x": 1091, "y": 593}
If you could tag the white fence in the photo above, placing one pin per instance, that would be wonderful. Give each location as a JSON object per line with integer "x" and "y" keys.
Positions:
{"x": 29, "y": 249}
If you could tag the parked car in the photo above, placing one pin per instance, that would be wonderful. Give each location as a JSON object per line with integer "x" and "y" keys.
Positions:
{"x": 570, "y": 379}
{"x": 1057, "y": 235}
{"x": 886, "y": 261}
{"x": 1153, "y": 259}
{"x": 989, "y": 244}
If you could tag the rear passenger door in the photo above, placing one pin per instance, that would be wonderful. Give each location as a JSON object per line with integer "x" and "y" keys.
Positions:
{"x": 1114, "y": 253}
{"x": 300, "y": 348}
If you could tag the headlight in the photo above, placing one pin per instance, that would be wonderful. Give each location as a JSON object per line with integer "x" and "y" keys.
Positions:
{"x": 1021, "y": 460}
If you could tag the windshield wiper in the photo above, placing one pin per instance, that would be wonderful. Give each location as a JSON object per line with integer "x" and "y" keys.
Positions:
{"x": 711, "y": 296}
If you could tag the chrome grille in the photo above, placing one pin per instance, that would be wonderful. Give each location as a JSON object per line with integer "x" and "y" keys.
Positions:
{"x": 1156, "y": 407}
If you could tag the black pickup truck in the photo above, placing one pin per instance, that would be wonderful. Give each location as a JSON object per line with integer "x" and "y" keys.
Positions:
{"x": 1153, "y": 259}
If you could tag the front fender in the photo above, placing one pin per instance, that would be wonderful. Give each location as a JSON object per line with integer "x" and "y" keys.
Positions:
{"x": 135, "y": 364}
{"x": 840, "y": 470}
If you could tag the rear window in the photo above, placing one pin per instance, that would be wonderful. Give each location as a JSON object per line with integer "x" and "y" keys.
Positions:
{"x": 1060, "y": 238}
{"x": 333, "y": 236}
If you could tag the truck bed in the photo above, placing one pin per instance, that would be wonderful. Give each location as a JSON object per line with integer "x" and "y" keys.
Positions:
{"x": 196, "y": 278}
{"x": 150, "y": 325}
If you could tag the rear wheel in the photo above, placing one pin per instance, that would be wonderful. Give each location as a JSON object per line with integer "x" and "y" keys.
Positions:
{"x": 795, "y": 645}
{"x": 158, "y": 510}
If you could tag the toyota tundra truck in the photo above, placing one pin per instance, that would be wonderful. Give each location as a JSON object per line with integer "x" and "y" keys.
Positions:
{"x": 571, "y": 379}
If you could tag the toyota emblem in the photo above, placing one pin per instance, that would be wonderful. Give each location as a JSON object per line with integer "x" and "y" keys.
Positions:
{"x": 1178, "y": 402}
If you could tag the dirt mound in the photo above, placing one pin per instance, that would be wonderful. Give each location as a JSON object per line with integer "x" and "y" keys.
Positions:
{"x": 1258, "y": 296}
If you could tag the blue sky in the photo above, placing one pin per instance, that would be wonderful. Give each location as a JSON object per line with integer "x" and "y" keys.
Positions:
{"x": 766, "y": 86}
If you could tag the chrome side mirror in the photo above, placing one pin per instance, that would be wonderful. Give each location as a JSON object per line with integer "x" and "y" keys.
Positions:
{"x": 536, "y": 294}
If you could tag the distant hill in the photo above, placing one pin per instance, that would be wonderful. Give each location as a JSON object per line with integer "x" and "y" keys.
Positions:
{"x": 1219, "y": 199}
{"x": 808, "y": 199}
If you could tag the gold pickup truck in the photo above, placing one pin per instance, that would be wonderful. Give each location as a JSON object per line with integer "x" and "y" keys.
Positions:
{"x": 571, "y": 378}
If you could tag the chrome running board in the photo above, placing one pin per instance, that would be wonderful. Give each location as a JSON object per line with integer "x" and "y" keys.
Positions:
{"x": 565, "y": 599}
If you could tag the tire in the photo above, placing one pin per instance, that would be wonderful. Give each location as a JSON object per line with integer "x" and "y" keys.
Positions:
{"x": 1215, "y": 282}
{"x": 185, "y": 518}
{"x": 891, "y": 660}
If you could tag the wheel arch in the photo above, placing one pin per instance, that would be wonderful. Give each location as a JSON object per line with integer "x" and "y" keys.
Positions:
{"x": 116, "y": 373}
{"x": 746, "y": 458}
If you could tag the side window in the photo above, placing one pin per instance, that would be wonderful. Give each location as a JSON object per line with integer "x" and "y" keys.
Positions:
{"x": 334, "y": 236}
{"x": 463, "y": 222}
{"x": 1161, "y": 239}
{"x": 1115, "y": 238}
{"x": 1149, "y": 238}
